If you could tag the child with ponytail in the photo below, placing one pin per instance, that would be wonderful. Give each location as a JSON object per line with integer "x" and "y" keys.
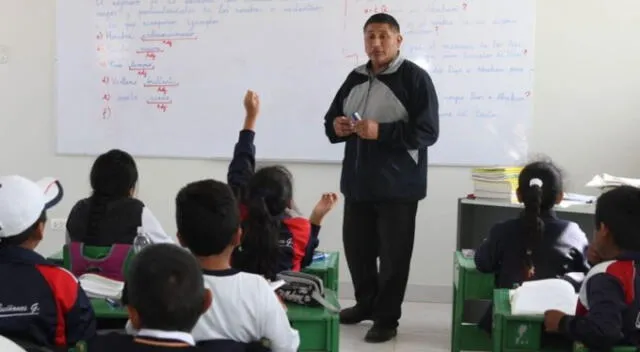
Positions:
{"x": 536, "y": 245}
{"x": 275, "y": 237}
{"x": 111, "y": 215}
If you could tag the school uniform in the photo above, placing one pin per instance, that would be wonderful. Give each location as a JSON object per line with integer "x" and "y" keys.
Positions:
{"x": 608, "y": 309}
{"x": 39, "y": 302}
{"x": 147, "y": 340}
{"x": 298, "y": 237}
{"x": 119, "y": 223}
{"x": 244, "y": 309}
{"x": 562, "y": 250}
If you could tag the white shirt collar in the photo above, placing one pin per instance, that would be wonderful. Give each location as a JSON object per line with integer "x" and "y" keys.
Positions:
{"x": 168, "y": 335}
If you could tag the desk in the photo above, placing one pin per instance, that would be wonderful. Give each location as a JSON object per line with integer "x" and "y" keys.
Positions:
{"x": 472, "y": 293}
{"x": 477, "y": 216}
{"x": 327, "y": 269}
{"x": 513, "y": 333}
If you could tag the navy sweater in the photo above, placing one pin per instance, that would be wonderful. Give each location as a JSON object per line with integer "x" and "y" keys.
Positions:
{"x": 608, "y": 311}
{"x": 561, "y": 251}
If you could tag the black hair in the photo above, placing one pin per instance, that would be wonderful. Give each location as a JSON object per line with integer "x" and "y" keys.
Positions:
{"x": 207, "y": 216}
{"x": 539, "y": 186}
{"x": 166, "y": 288}
{"x": 25, "y": 235}
{"x": 383, "y": 18}
{"x": 269, "y": 194}
{"x": 619, "y": 210}
{"x": 112, "y": 177}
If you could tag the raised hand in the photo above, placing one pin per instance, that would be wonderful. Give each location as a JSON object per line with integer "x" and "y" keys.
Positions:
{"x": 323, "y": 207}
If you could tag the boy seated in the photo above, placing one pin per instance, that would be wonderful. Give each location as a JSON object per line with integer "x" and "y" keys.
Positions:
{"x": 609, "y": 304}
{"x": 245, "y": 308}
{"x": 166, "y": 296}
{"x": 39, "y": 301}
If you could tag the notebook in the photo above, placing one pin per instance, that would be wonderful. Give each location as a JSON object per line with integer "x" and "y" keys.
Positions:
{"x": 536, "y": 297}
{"x": 97, "y": 286}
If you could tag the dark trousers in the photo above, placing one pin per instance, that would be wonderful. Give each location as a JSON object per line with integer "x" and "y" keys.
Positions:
{"x": 384, "y": 230}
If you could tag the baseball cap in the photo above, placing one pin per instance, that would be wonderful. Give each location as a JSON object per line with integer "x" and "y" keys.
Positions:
{"x": 22, "y": 202}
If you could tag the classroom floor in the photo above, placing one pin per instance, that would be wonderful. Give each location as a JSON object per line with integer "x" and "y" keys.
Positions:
{"x": 424, "y": 327}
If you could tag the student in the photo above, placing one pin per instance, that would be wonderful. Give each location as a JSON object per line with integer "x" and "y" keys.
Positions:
{"x": 166, "y": 296}
{"x": 111, "y": 215}
{"x": 41, "y": 303}
{"x": 245, "y": 308}
{"x": 275, "y": 237}
{"x": 536, "y": 245}
{"x": 608, "y": 308}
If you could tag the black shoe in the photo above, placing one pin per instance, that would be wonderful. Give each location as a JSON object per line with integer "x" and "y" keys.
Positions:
{"x": 378, "y": 334}
{"x": 353, "y": 315}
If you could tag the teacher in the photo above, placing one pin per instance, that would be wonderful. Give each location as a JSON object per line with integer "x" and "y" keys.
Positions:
{"x": 386, "y": 112}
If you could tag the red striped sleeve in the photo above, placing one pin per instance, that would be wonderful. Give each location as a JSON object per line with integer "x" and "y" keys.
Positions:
{"x": 300, "y": 229}
{"x": 625, "y": 272}
{"x": 65, "y": 291}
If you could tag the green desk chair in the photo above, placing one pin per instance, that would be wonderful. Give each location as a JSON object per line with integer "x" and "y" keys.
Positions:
{"x": 96, "y": 253}
{"x": 469, "y": 286}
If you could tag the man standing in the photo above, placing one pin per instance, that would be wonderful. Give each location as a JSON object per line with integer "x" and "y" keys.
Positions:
{"x": 387, "y": 113}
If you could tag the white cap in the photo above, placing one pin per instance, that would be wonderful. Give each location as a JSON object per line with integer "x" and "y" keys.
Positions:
{"x": 22, "y": 201}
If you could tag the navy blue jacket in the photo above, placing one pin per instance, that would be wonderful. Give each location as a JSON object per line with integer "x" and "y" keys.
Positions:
{"x": 298, "y": 237}
{"x": 562, "y": 250}
{"x": 41, "y": 302}
{"x": 608, "y": 311}
{"x": 403, "y": 100}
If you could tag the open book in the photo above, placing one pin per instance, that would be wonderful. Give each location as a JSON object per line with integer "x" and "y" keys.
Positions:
{"x": 97, "y": 286}
{"x": 536, "y": 297}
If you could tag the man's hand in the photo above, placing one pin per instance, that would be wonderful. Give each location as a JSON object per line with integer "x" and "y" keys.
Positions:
{"x": 252, "y": 107}
{"x": 343, "y": 126}
{"x": 552, "y": 320}
{"x": 324, "y": 206}
{"x": 367, "y": 129}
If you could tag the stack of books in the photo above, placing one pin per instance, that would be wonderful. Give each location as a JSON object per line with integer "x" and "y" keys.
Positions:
{"x": 498, "y": 183}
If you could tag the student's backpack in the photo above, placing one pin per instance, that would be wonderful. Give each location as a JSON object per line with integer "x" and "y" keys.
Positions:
{"x": 104, "y": 261}
{"x": 305, "y": 289}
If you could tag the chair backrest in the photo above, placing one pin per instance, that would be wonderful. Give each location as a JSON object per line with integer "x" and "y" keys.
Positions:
{"x": 109, "y": 261}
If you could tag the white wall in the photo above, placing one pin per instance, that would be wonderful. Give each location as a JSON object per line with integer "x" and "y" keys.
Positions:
{"x": 587, "y": 113}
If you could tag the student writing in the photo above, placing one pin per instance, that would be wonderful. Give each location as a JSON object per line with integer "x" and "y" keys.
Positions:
{"x": 275, "y": 238}
{"x": 608, "y": 310}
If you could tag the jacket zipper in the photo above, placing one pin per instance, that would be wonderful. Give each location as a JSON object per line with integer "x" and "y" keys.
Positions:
{"x": 364, "y": 108}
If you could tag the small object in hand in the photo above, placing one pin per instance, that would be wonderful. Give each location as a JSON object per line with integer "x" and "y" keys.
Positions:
{"x": 356, "y": 117}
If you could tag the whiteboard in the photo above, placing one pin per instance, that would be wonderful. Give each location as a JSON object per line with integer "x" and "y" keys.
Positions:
{"x": 166, "y": 78}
